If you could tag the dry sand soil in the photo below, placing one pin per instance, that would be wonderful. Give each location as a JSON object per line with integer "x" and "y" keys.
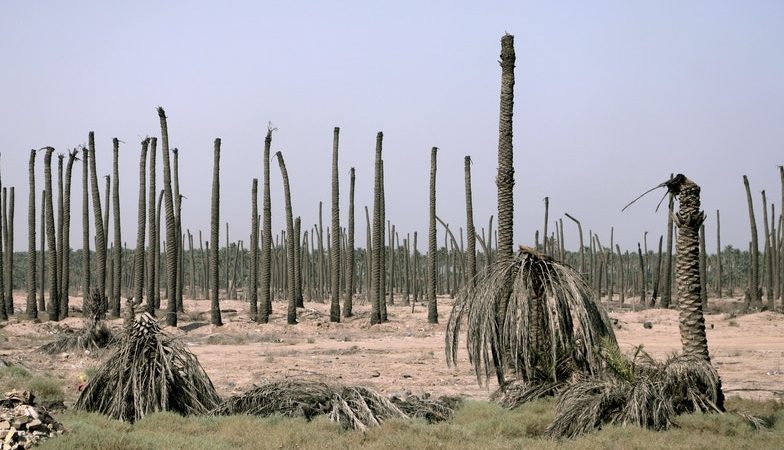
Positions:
{"x": 405, "y": 354}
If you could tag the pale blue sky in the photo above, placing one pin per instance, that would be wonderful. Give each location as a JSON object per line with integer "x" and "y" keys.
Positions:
{"x": 611, "y": 97}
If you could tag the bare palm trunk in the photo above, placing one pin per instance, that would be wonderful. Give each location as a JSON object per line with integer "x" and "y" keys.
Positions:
{"x": 266, "y": 239}
{"x": 667, "y": 287}
{"x": 348, "y": 302}
{"x": 470, "y": 231}
{"x": 171, "y": 228}
{"x": 152, "y": 256}
{"x": 117, "y": 263}
{"x": 54, "y": 294}
{"x": 432, "y": 305}
{"x": 291, "y": 316}
{"x": 254, "y": 250}
{"x": 334, "y": 310}
{"x": 66, "y": 236}
{"x": 32, "y": 310}
{"x": 214, "y": 230}
{"x": 138, "y": 257}
{"x": 754, "y": 297}
{"x": 100, "y": 236}
{"x": 377, "y": 240}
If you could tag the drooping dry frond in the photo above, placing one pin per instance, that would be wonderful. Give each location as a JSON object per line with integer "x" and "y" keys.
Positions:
{"x": 552, "y": 327}
{"x": 516, "y": 393}
{"x": 150, "y": 372}
{"x": 424, "y": 407}
{"x": 649, "y": 396}
{"x": 94, "y": 337}
{"x": 291, "y": 398}
{"x": 354, "y": 407}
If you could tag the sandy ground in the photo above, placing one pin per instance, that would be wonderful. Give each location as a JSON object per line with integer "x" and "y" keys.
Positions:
{"x": 405, "y": 354}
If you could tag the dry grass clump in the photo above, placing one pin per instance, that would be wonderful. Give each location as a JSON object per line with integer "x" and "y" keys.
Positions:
{"x": 93, "y": 337}
{"x": 354, "y": 407}
{"x": 150, "y": 372}
{"x": 637, "y": 391}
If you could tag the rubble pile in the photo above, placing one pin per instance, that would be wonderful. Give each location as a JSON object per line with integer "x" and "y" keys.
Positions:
{"x": 22, "y": 424}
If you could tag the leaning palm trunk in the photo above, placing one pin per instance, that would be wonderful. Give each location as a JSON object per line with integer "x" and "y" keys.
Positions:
{"x": 334, "y": 310}
{"x": 291, "y": 315}
{"x": 266, "y": 238}
{"x": 138, "y": 257}
{"x": 171, "y": 229}
{"x": 66, "y": 238}
{"x": 32, "y": 309}
{"x": 754, "y": 297}
{"x": 54, "y": 294}
{"x": 214, "y": 229}
{"x": 100, "y": 236}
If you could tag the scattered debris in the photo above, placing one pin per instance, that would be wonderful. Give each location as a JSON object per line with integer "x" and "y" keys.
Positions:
{"x": 647, "y": 324}
{"x": 22, "y": 424}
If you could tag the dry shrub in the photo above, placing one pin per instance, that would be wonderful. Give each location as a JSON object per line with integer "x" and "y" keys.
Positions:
{"x": 94, "y": 337}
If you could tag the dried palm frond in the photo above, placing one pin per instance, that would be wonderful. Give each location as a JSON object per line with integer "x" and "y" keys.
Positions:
{"x": 150, "y": 372}
{"x": 359, "y": 408}
{"x": 645, "y": 393}
{"x": 551, "y": 329}
{"x": 424, "y": 407}
{"x": 516, "y": 393}
{"x": 291, "y": 398}
{"x": 94, "y": 337}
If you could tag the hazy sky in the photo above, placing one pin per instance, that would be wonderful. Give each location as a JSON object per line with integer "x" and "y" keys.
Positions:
{"x": 611, "y": 97}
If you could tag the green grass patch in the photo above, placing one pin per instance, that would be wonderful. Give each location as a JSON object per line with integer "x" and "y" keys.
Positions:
{"x": 476, "y": 425}
{"x": 44, "y": 387}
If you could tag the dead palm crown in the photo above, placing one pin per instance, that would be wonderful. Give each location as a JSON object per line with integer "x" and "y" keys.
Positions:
{"x": 552, "y": 328}
{"x": 641, "y": 391}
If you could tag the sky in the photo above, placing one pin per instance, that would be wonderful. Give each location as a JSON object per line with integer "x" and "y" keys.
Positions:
{"x": 610, "y": 98}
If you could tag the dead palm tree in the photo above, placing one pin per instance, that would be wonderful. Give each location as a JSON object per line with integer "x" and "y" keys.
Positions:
{"x": 470, "y": 232}
{"x": 32, "y": 310}
{"x": 117, "y": 255}
{"x": 100, "y": 236}
{"x": 152, "y": 256}
{"x": 9, "y": 259}
{"x": 334, "y": 310}
{"x": 214, "y": 230}
{"x": 138, "y": 257}
{"x": 54, "y": 294}
{"x": 266, "y": 238}
{"x": 66, "y": 238}
{"x": 348, "y": 302}
{"x": 58, "y": 230}
{"x": 432, "y": 305}
{"x": 254, "y": 249}
{"x": 171, "y": 228}
{"x": 86, "y": 291}
{"x": 377, "y": 239}
{"x": 754, "y": 299}
{"x": 291, "y": 315}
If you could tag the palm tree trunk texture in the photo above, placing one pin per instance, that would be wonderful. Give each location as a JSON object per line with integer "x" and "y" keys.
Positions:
{"x": 291, "y": 315}
{"x": 377, "y": 240}
{"x": 65, "y": 282}
{"x": 767, "y": 260}
{"x": 9, "y": 258}
{"x": 657, "y": 273}
{"x": 348, "y": 301}
{"x": 754, "y": 297}
{"x": 432, "y": 305}
{"x": 215, "y": 313}
{"x": 157, "y": 288}
{"x": 334, "y": 310}
{"x": 298, "y": 299}
{"x": 152, "y": 255}
{"x": 382, "y": 258}
{"x": 41, "y": 299}
{"x": 54, "y": 294}
{"x": 117, "y": 263}
{"x": 138, "y": 257}
{"x": 100, "y": 236}
{"x": 171, "y": 226}
{"x": 703, "y": 269}
{"x": 622, "y": 270}
{"x": 58, "y": 230}
{"x": 688, "y": 220}
{"x": 582, "y": 244}
{"x": 667, "y": 287}
{"x": 718, "y": 255}
{"x": 177, "y": 198}
{"x": 470, "y": 231}
{"x": 254, "y": 250}
{"x": 266, "y": 239}
{"x": 3, "y": 300}
{"x": 31, "y": 310}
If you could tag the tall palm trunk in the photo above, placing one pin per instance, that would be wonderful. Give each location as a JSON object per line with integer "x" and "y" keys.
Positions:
{"x": 214, "y": 230}
{"x": 667, "y": 287}
{"x": 377, "y": 240}
{"x": 178, "y": 228}
{"x": 718, "y": 254}
{"x": 59, "y": 229}
{"x": 171, "y": 228}
{"x": 65, "y": 282}
{"x": 291, "y": 316}
{"x": 334, "y": 310}
{"x": 31, "y": 310}
{"x": 768, "y": 259}
{"x": 382, "y": 248}
{"x": 42, "y": 298}
{"x": 432, "y": 305}
{"x": 470, "y": 232}
{"x": 754, "y": 297}
{"x": 157, "y": 274}
{"x": 138, "y": 257}
{"x": 100, "y": 236}
{"x": 348, "y": 302}
{"x": 117, "y": 263}
{"x": 153, "y": 231}
{"x": 54, "y": 294}
{"x": 298, "y": 263}
{"x": 266, "y": 238}
{"x": 3, "y": 302}
{"x": 9, "y": 258}
{"x": 254, "y": 249}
